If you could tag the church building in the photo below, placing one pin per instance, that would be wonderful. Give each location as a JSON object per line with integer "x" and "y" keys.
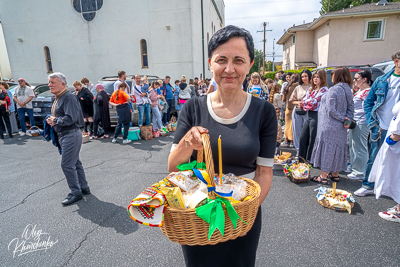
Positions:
{"x": 97, "y": 38}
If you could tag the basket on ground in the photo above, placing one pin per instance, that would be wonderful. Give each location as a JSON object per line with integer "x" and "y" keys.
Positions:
{"x": 298, "y": 177}
{"x": 186, "y": 228}
{"x": 34, "y": 131}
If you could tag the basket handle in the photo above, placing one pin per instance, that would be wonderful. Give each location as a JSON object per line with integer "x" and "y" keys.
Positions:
{"x": 208, "y": 158}
{"x": 300, "y": 157}
{"x": 200, "y": 157}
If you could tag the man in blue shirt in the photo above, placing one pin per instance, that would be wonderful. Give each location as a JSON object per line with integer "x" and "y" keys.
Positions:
{"x": 167, "y": 91}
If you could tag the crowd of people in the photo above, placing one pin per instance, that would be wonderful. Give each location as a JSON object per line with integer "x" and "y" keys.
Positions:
{"x": 353, "y": 125}
{"x": 341, "y": 128}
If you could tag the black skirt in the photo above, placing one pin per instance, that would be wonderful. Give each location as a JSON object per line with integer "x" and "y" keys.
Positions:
{"x": 238, "y": 252}
{"x": 123, "y": 114}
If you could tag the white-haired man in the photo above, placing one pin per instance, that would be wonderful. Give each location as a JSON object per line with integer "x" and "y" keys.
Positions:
{"x": 67, "y": 119}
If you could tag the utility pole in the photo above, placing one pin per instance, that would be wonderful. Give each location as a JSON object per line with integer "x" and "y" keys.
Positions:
{"x": 273, "y": 55}
{"x": 265, "y": 24}
{"x": 264, "y": 40}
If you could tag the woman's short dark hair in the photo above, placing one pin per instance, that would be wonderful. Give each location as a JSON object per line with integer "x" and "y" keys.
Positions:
{"x": 308, "y": 73}
{"x": 225, "y": 34}
{"x": 342, "y": 75}
{"x": 366, "y": 74}
{"x": 283, "y": 77}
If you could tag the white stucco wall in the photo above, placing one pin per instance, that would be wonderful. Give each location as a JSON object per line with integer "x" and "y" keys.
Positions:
{"x": 357, "y": 50}
{"x": 5, "y": 69}
{"x": 109, "y": 43}
{"x": 321, "y": 45}
{"x": 304, "y": 46}
{"x": 289, "y": 54}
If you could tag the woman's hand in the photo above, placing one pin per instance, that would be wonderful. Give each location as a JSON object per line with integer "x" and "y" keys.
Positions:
{"x": 344, "y": 125}
{"x": 193, "y": 137}
{"x": 184, "y": 150}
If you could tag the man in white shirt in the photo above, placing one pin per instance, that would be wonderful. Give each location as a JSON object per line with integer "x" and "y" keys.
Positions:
{"x": 23, "y": 96}
{"x": 122, "y": 78}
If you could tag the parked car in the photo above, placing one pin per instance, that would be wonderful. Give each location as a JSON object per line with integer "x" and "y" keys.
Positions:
{"x": 108, "y": 83}
{"x": 386, "y": 66}
{"x": 42, "y": 105}
{"x": 376, "y": 72}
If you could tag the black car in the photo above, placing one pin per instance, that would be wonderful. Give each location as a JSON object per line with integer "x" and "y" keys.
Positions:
{"x": 108, "y": 83}
{"x": 376, "y": 72}
{"x": 42, "y": 105}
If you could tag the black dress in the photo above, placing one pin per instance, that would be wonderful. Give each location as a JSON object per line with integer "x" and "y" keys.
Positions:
{"x": 4, "y": 115}
{"x": 86, "y": 103}
{"x": 248, "y": 140}
{"x": 102, "y": 110}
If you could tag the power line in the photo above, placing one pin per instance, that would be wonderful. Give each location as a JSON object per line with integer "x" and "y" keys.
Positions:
{"x": 277, "y": 15}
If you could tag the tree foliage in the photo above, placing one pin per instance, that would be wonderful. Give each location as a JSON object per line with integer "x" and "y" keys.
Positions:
{"x": 334, "y": 5}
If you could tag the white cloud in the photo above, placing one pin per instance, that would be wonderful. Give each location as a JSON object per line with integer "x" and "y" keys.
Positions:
{"x": 280, "y": 15}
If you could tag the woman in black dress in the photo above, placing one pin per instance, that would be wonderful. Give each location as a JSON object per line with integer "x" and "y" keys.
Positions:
{"x": 102, "y": 114}
{"x": 85, "y": 98}
{"x": 5, "y": 102}
{"x": 248, "y": 129}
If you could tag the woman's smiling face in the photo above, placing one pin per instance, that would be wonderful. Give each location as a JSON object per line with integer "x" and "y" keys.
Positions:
{"x": 230, "y": 63}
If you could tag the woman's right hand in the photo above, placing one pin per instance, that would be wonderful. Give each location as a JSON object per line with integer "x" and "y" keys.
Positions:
{"x": 193, "y": 137}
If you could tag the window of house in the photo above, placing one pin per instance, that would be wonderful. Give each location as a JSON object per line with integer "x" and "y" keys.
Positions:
{"x": 48, "y": 60}
{"x": 87, "y": 8}
{"x": 143, "y": 50}
{"x": 294, "y": 39}
{"x": 374, "y": 29}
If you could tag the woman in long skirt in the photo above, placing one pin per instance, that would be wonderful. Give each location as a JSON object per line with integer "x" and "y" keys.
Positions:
{"x": 336, "y": 111}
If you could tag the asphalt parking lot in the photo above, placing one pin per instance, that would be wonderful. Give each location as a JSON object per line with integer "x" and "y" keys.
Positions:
{"x": 97, "y": 231}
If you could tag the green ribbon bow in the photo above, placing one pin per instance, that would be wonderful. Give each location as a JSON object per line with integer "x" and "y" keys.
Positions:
{"x": 192, "y": 165}
{"x": 213, "y": 214}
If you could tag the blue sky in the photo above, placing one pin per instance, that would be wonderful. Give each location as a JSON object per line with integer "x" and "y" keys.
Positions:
{"x": 279, "y": 15}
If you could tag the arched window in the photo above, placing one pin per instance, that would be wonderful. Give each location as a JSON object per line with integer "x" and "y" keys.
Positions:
{"x": 87, "y": 8}
{"x": 143, "y": 51}
{"x": 48, "y": 59}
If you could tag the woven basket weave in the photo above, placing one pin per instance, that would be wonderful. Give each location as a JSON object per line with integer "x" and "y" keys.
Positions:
{"x": 326, "y": 204}
{"x": 186, "y": 228}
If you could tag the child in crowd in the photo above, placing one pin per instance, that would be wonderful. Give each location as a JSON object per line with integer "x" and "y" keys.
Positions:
{"x": 386, "y": 169}
{"x": 145, "y": 85}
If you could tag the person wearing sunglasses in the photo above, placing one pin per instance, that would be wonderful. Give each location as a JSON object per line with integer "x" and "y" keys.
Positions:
{"x": 23, "y": 96}
{"x": 358, "y": 137}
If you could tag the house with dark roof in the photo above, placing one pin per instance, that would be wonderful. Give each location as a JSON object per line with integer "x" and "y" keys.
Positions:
{"x": 365, "y": 34}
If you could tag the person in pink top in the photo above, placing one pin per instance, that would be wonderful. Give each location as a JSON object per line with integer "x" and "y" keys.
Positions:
{"x": 154, "y": 96}
{"x": 310, "y": 103}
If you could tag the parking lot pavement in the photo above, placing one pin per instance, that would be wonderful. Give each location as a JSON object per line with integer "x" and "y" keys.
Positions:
{"x": 97, "y": 231}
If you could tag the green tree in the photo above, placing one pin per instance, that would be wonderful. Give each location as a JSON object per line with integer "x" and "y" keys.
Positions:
{"x": 334, "y": 5}
{"x": 258, "y": 55}
{"x": 268, "y": 66}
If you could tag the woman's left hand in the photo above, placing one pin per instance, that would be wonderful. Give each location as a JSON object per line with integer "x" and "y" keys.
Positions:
{"x": 346, "y": 126}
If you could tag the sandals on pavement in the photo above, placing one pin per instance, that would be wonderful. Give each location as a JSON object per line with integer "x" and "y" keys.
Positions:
{"x": 320, "y": 181}
{"x": 335, "y": 179}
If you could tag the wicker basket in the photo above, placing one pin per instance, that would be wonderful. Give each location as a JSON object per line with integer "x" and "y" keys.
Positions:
{"x": 85, "y": 138}
{"x": 299, "y": 181}
{"x": 34, "y": 131}
{"x": 326, "y": 204}
{"x": 186, "y": 228}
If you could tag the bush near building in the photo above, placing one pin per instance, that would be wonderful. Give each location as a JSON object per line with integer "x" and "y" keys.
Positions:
{"x": 271, "y": 74}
